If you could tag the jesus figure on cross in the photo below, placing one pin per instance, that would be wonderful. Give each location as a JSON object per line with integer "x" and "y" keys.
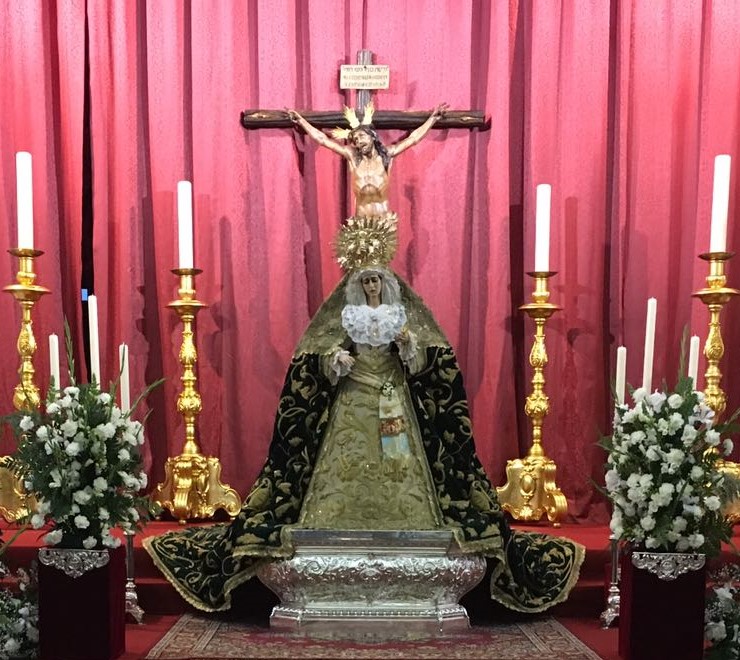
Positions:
{"x": 369, "y": 159}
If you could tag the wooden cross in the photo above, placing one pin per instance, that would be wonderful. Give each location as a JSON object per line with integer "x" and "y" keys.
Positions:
{"x": 381, "y": 119}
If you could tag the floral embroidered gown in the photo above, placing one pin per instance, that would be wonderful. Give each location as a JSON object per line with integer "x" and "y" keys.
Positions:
{"x": 388, "y": 445}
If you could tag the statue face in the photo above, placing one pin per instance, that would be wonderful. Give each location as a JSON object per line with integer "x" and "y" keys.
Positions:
{"x": 363, "y": 142}
{"x": 372, "y": 285}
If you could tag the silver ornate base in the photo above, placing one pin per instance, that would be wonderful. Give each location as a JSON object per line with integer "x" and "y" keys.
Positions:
{"x": 373, "y": 581}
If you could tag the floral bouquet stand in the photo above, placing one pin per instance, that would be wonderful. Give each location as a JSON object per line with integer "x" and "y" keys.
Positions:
{"x": 80, "y": 455}
{"x": 667, "y": 492}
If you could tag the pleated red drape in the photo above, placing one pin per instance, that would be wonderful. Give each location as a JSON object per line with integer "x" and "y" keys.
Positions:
{"x": 42, "y": 83}
{"x": 620, "y": 106}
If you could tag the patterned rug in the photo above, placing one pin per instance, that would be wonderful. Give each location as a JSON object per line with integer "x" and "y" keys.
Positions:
{"x": 200, "y": 638}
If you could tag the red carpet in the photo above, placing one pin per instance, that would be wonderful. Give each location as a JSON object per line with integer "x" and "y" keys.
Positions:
{"x": 254, "y": 602}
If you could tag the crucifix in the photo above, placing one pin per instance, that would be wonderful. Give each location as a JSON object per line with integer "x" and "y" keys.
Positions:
{"x": 404, "y": 120}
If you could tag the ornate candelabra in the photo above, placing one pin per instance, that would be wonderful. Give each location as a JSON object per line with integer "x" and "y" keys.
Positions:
{"x": 530, "y": 490}
{"x": 192, "y": 486}
{"x": 132, "y": 599}
{"x": 715, "y": 295}
{"x": 613, "y": 597}
{"x": 26, "y": 396}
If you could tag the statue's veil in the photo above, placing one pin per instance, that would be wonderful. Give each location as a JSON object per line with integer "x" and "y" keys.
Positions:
{"x": 325, "y": 334}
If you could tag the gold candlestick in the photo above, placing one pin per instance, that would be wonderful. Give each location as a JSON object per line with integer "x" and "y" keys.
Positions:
{"x": 14, "y": 501}
{"x": 192, "y": 487}
{"x": 715, "y": 296}
{"x": 530, "y": 490}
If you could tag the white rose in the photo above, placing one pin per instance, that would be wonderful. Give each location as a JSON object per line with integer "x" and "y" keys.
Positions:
{"x": 37, "y": 521}
{"x": 106, "y": 431}
{"x": 639, "y": 394}
{"x": 653, "y": 454}
{"x": 727, "y": 446}
{"x": 81, "y": 522}
{"x": 104, "y": 398}
{"x": 100, "y": 484}
{"x": 26, "y": 423}
{"x": 697, "y": 473}
{"x": 71, "y": 390}
{"x": 81, "y": 497}
{"x": 647, "y": 523}
{"x": 89, "y": 543}
{"x": 111, "y": 541}
{"x": 103, "y": 513}
{"x": 11, "y": 646}
{"x": 651, "y": 542}
{"x": 53, "y": 408}
{"x": 53, "y": 537}
{"x": 143, "y": 480}
{"x": 656, "y": 400}
{"x": 73, "y": 448}
{"x": 689, "y": 435}
{"x": 679, "y": 524}
{"x": 682, "y": 545}
{"x": 69, "y": 428}
{"x": 712, "y": 503}
{"x": 123, "y": 455}
{"x": 712, "y": 438}
{"x": 696, "y": 540}
{"x": 715, "y": 632}
{"x": 675, "y": 401}
{"x": 42, "y": 433}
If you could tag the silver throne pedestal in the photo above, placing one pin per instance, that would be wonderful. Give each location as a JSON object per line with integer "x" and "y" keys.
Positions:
{"x": 388, "y": 584}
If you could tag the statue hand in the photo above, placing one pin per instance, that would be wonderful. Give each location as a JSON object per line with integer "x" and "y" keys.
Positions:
{"x": 403, "y": 336}
{"x": 440, "y": 111}
{"x": 292, "y": 115}
{"x": 346, "y": 360}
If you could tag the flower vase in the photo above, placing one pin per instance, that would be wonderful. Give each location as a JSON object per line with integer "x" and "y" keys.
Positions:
{"x": 82, "y": 603}
{"x": 661, "y": 612}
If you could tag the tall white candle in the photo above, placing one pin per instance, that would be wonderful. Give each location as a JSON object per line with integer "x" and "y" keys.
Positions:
{"x": 694, "y": 360}
{"x": 92, "y": 321}
{"x": 720, "y": 201}
{"x": 124, "y": 384}
{"x": 185, "y": 223}
{"x": 542, "y": 229}
{"x": 54, "y": 360}
{"x": 24, "y": 190}
{"x": 647, "y": 364}
{"x": 621, "y": 378}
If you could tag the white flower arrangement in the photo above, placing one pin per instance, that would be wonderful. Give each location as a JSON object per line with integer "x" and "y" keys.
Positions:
{"x": 722, "y": 615}
{"x": 19, "y": 614}
{"x": 663, "y": 475}
{"x": 80, "y": 457}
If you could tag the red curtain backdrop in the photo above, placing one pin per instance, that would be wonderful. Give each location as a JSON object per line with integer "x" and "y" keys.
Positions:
{"x": 621, "y": 106}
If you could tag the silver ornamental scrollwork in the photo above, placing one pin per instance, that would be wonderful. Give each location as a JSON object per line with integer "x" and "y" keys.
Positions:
{"x": 668, "y": 565}
{"x": 73, "y": 562}
{"x": 372, "y": 579}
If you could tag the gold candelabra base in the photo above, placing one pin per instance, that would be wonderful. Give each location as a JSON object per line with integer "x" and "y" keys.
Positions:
{"x": 530, "y": 491}
{"x": 192, "y": 487}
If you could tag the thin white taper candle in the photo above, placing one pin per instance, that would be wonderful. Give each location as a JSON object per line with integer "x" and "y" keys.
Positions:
{"x": 720, "y": 201}
{"x": 647, "y": 364}
{"x": 54, "y": 361}
{"x": 185, "y": 223}
{"x": 693, "y": 372}
{"x": 542, "y": 229}
{"x": 621, "y": 377}
{"x": 24, "y": 191}
{"x": 92, "y": 321}
{"x": 124, "y": 384}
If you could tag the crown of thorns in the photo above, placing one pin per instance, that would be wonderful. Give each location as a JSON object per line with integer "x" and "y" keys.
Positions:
{"x": 351, "y": 116}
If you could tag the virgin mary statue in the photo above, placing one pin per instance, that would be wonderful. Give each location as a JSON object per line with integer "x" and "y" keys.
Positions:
{"x": 372, "y": 431}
